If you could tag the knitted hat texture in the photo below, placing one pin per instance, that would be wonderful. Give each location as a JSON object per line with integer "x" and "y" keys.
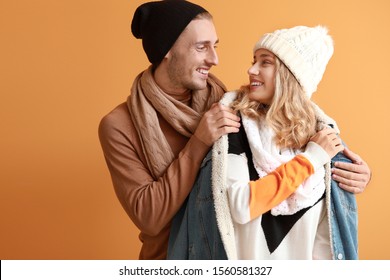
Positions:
{"x": 304, "y": 50}
{"x": 160, "y": 23}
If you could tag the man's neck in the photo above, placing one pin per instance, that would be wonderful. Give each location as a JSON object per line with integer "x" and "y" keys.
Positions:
{"x": 162, "y": 80}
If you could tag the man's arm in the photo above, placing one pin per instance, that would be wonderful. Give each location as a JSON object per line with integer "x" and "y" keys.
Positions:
{"x": 151, "y": 203}
{"x": 352, "y": 177}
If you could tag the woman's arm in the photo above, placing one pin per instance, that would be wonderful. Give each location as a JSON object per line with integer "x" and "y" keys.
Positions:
{"x": 250, "y": 199}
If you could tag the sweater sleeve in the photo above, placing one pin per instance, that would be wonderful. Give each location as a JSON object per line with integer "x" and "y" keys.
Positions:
{"x": 280, "y": 183}
{"x": 250, "y": 199}
{"x": 149, "y": 203}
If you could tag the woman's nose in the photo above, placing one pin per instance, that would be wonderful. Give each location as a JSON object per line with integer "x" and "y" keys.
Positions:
{"x": 253, "y": 70}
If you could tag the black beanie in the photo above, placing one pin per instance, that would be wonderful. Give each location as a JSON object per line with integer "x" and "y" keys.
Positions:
{"x": 160, "y": 23}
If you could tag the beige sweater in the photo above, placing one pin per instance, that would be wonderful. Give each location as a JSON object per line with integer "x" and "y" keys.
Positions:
{"x": 150, "y": 204}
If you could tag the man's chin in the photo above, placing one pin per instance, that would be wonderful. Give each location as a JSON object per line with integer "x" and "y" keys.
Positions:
{"x": 200, "y": 85}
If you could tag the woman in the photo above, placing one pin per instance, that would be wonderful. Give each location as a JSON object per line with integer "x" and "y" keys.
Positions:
{"x": 279, "y": 119}
{"x": 271, "y": 183}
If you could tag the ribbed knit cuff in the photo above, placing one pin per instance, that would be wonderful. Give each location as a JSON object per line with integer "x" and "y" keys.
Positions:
{"x": 316, "y": 155}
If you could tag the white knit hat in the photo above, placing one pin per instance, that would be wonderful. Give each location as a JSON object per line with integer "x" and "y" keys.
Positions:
{"x": 304, "y": 50}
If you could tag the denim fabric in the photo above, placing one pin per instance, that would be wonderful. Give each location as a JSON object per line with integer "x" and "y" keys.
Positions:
{"x": 344, "y": 220}
{"x": 195, "y": 234}
{"x": 194, "y": 230}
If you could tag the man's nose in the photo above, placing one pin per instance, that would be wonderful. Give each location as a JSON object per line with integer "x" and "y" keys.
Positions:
{"x": 212, "y": 57}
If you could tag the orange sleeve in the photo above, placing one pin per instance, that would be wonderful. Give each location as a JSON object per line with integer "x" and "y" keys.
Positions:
{"x": 269, "y": 191}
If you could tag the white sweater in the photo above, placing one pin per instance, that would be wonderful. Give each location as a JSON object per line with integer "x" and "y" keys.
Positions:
{"x": 243, "y": 235}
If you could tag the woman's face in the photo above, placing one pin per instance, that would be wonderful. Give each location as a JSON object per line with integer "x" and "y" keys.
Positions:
{"x": 262, "y": 77}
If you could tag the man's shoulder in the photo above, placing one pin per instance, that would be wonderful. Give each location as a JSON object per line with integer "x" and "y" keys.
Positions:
{"x": 117, "y": 119}
{"x": 119, "y": 113}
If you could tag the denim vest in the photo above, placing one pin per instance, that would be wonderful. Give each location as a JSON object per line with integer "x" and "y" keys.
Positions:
{"x": 194, "y": 230}
{"x": 343, "y": 219}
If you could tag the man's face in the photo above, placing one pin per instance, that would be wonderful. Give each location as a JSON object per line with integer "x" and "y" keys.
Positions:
{"x": 192, "y": 56}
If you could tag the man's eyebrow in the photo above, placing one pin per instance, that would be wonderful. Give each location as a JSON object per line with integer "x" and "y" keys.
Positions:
{"x": 206, "y": 42}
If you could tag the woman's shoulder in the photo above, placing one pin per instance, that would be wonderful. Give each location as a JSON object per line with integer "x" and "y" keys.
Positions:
{"x": 228, "y": 98}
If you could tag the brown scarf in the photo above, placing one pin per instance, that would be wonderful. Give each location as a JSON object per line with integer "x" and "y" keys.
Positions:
{"x": 147, "y": 98}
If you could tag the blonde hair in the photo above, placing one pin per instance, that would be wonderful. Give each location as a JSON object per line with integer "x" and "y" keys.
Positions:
{"x": 291, "y": 114}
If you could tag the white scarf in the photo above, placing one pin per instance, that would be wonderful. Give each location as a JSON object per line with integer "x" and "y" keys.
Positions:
{"x": 267, "y": 157}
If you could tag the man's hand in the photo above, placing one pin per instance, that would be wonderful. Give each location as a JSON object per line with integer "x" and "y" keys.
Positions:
{"x": 352, "y": 177}
{"x": 217, "y": 121}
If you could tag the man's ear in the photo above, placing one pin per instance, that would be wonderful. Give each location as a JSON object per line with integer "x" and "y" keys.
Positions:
{"x": 168, "y": 55}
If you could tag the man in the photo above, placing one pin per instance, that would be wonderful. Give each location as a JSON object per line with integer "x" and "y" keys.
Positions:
{"x": 155, "y": 142}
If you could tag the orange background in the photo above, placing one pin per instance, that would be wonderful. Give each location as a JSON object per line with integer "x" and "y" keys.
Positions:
{"x": 65, "y": 64}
